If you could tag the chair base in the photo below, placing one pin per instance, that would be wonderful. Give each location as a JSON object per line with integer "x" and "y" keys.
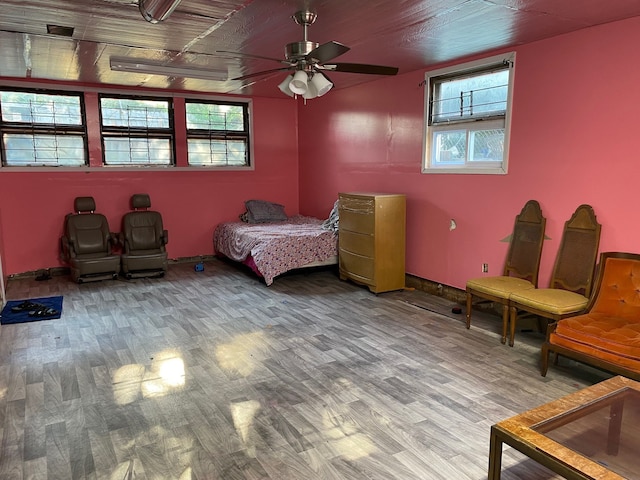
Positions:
{"x": 144, "y": 274}
{"x": 582, "y": 358}
{"x": 95, "y": 277}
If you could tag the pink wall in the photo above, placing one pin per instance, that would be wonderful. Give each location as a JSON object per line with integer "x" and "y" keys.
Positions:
{"x": 33, "y": 204}
{"x": 574, "y": 140}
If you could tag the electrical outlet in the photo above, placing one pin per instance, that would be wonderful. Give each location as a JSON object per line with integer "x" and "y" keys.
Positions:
{"x": 485, "y": 268}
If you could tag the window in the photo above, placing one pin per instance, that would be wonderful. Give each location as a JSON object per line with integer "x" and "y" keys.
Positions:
{"x": 468, "y": 110}
{"x": 217, "y": 134}
{"x": 42, "y": 129}
{"x": 136, "y": 131}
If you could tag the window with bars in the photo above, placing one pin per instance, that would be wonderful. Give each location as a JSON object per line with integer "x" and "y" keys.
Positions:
{"x": 42, "y": 129}
{"x": 218, "y": 134}
{"x": 468, "y": 110}
{"x": 137, "y": 131}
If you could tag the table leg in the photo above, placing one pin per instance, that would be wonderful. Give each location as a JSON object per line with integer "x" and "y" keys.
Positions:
{"x": 615, "y": 427}
{"x": 495, "y": 455}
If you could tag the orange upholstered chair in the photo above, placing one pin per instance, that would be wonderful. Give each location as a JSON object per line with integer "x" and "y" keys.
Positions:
{"x": 607, "y": 336}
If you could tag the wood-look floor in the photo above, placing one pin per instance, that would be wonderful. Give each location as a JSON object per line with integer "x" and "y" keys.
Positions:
{"x": 213, "y": 375}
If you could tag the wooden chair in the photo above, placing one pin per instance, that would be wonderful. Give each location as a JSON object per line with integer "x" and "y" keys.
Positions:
{"x": 572, "y": 278}
{"x": 607, "y": 334}
{"x": 521, "y": 266}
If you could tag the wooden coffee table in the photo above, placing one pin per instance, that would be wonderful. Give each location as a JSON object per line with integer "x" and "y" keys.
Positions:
{"x": 590, "y": 434}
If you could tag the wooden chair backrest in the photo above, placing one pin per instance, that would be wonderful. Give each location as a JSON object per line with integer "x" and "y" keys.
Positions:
{"x": 525, "y": 248}
{"x": 576, "y": 260}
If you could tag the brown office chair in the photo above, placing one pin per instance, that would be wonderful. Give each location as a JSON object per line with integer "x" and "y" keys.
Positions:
{"x": 143, "y": 240}
{"x": 520, "y": 269}
{"x": 571, "y": 281}
{"x": 87, "y": 244}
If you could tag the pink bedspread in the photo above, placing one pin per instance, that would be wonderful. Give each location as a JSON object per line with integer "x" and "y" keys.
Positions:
{"x": 276, "y": 247}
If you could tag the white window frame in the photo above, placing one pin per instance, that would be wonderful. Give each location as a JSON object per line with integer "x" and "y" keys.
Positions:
{"x": 469, "y": 167}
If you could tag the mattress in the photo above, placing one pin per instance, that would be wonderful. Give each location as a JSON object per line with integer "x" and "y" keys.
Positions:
{"x": 275, "y": 248}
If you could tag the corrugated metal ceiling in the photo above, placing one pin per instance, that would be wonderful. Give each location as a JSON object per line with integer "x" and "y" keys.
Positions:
{"x": 409, "y": 34}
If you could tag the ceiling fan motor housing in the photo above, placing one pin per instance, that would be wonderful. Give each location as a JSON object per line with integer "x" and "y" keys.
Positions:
{"x": 297, "y": 50}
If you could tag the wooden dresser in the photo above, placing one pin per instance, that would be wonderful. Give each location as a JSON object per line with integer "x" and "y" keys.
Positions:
{"x": 371, "y": 240}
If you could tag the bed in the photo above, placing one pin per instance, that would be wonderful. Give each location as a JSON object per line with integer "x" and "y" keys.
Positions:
{"x": 271, "y": 249}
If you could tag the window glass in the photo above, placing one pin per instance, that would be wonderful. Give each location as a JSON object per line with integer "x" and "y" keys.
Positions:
{"x": 30, "y": 108}
{"x": 217, "y": 134}
{"x": 137, "y": 151}
{"x": 211, "y": 116}
{"x": 42, "y": 129}
{"x": 476, "y": 96}
{"x": 134, "y": 113}
{"x": 136, "y": 131}
{"x": 50, "y": 150}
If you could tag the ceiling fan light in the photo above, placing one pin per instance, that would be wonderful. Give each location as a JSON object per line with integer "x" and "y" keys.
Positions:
{"x": 155, "y": 11}
{"x": 321, "y": 83}
{"x": 299, "y": 82}
{"x": 312, "y": 92}
{"x": 284, "y": 86}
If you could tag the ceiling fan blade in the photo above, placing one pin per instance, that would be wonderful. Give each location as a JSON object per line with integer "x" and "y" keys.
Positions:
{"x": 257, "y": 74}
{"x": 238, "y": 54}
{"x": 327, "y": 51}
{"x": 360, "y": 68}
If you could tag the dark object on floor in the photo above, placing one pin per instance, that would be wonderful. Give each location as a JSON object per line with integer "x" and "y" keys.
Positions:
{"x": 44, "y": 312}
{"x": 43, "y": 275}
{"x": 199, "y": 267}
{"x": 456, "y": 310}
{"x": 26, "y": 306}
{"x": 45, "y": 308}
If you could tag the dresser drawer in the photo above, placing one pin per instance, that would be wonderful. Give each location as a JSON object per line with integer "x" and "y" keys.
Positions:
{"x": 357, "y": 265}
{"x": 363, "y": 205}
{"x": 356, "y": 221}
{"x": 362, "y": 244}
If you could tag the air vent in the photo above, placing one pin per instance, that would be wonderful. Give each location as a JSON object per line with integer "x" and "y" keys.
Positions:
{"x": 59, "y": 30}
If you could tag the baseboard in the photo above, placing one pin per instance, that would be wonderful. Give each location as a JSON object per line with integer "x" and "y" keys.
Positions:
{"x": 447, "y": 292}
{"x": 59, "y": 271}
{"x": 453, "y": 294}
{"x": 196, "y": 259}
{"x": 435, "y": 288}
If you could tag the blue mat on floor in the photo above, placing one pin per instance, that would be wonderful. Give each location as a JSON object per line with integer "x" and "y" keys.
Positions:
{"x": 9, "y": 316}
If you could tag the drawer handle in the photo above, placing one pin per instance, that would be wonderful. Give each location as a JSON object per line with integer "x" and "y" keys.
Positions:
{"x": 357, "y": 210}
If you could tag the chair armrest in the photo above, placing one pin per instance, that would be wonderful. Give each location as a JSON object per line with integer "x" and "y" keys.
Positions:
{"x": 64, "y": 249}
{"x": 67, "y": 248}
{"x": 165, "y": 237}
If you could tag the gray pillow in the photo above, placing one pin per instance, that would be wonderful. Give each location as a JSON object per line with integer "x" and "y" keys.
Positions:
{"x": 261, "y": 211}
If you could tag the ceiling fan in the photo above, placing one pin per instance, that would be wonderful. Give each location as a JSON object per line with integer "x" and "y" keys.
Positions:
{"x": 308, "y": 60}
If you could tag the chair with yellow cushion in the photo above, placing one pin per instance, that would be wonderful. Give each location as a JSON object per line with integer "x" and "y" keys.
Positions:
{"x": 521, "y": 267}
{"x": 572, "y": 278}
